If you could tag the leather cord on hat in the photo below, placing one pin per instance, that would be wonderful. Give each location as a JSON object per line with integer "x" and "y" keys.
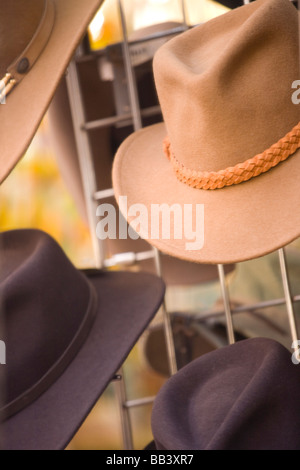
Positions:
{"x": 21, "y": 66}
{"x": 240, "y": 173}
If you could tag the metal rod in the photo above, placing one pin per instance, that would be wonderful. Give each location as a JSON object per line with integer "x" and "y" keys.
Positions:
{"x": 144, "y": 255}
{"x": 167, "y": 323}
{"x": 106, "y": 122}
{"x": 85, "y": 158}
{"x": 244, "y": 308}
{"x": 262, "y": 305}
{"x": 139, "y": 402}
{"x": 184, "y": 20}
{"x": 124, "y": 413}
{"x": 228, "y": 313}
{"x": 132, "y": 88}
{"x": 247, "y": 308}
{"x": 105, "y": 194}
{"x": 128, "y": 258}
{"x": 287, "y": 295}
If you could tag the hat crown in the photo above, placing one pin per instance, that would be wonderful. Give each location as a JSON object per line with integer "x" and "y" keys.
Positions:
{"x": 44, "y": 300}
{"x": 225, "y": 87}
{"x": 231, "y": 399}
{"x": 19, "y": 21}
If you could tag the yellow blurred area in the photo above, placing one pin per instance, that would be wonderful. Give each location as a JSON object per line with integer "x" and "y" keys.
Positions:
{"x": 106, "y": 27}
{"x": 34, "y": 196}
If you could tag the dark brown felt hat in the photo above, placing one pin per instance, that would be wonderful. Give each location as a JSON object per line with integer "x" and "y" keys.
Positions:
{"x": 66, "y": 335}
{"x": 241, "y": 397}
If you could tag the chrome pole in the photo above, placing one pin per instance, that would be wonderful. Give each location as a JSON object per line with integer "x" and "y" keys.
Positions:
{"x": 132, "y": 87}
{"x": 184, "y": 19}
{"x": 85, "y": 158}
{"x": 167, "y": 323}
{"x": 287, "y": 295}
{"x": 226, "y": 301}
{"x": 245, "y": 308}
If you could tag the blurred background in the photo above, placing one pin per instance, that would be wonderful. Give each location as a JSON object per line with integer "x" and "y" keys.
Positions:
{"x": 35, "y": 196}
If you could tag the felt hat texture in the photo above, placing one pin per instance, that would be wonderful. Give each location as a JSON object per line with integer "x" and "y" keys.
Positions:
{"x": 241, "y": 397}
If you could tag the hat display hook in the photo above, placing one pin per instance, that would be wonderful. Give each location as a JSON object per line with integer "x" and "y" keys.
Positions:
{"x": 288, "y": 295}
{"x": 227, "y": 307}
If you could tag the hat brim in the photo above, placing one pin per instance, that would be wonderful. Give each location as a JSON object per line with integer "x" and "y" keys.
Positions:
{"x": 241, "y": 222}
{"x": 127, "y": 303}
{"x": 25, "y": 107}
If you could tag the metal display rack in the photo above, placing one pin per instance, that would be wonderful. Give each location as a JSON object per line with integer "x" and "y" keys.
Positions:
{"x": 93, "y": 196}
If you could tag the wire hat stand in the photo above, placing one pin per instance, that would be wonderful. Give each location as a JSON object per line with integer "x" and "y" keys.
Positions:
{"x": 93, "y": 197}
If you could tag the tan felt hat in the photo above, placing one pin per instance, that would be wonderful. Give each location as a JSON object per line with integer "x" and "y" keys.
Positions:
{"x": 233, "y": 135}
{"x": 37, "y": 40}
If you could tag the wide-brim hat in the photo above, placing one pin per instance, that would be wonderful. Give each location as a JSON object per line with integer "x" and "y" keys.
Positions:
{"x": 38, "y": 39}
{"x": 229, "y": 142}
{"x": 241, "y": 397}
{"x": 66, "y": 334}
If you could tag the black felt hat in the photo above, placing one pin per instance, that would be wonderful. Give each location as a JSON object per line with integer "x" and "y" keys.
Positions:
{"x": 241, "y": 397}
{"x": 66, "y": 335}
